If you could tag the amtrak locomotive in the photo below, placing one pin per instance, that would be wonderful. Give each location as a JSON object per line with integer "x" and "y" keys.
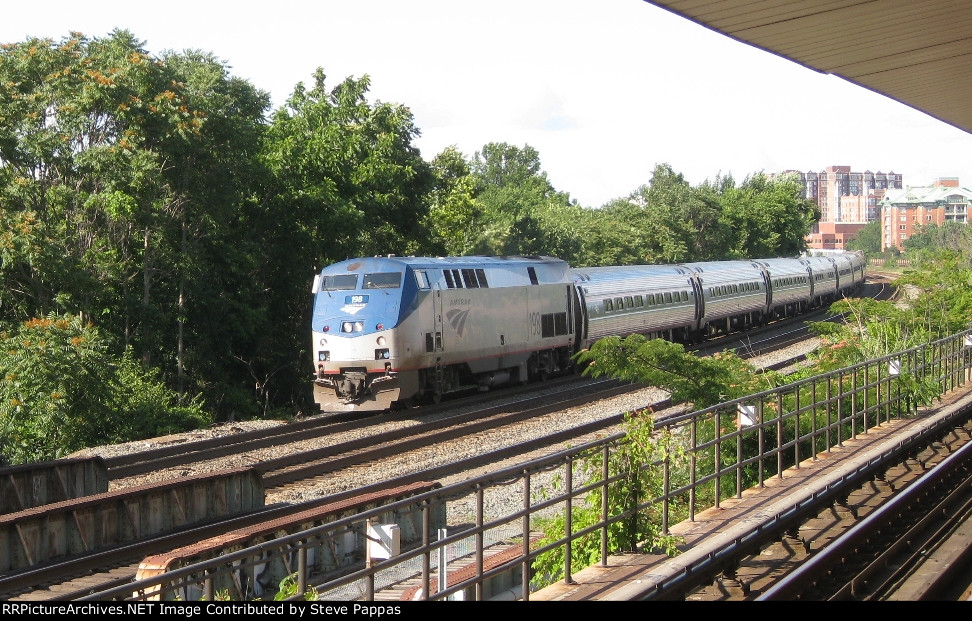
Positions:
{"x": 389, "y": 331}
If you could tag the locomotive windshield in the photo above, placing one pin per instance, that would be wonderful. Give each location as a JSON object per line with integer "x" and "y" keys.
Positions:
{"x": 383, "y": 280}
{"x": 341, "y": 282}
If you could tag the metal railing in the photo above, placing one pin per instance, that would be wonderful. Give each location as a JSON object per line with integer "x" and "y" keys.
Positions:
{"x": 728, "y": 448}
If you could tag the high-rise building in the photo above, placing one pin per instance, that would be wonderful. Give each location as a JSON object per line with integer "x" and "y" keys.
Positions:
{"x": 847, "y": 201}
{"x": 905, "y": 211}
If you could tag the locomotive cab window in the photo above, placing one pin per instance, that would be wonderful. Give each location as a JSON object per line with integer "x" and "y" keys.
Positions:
{"x": 340, "y": 282}
{"x": 382, "y": 280}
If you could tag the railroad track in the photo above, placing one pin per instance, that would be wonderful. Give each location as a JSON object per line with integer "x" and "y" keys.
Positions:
{"x": 846, "y": 552}
{"x": 339, "y": 433}
{"x": 376, "y": 439}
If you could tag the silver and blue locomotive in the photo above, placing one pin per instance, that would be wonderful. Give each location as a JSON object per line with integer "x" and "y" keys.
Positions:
{"x": 390, "y": 331}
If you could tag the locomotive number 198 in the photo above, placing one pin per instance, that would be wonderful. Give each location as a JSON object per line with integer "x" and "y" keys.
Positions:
{"x": 535, "y": 323}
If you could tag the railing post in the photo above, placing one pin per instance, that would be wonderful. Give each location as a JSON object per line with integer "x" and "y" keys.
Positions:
{"x": 761, "y": 417}
{"x": 830, "y": 417}
{"x": 796, "y": 428}
{"x": 525, "y": 569}
{"x": 369, "y": 593}
{"x": 443, "y": 562}
{"x": 426, "y": 544}
{"x": 813, "y": 420}
{"x": 666, "y": 489}
{"x": 739, "y": 460}
{"x": 568, "y": 524}
{"x": 866, "y": 409}
{"x": 779, "y": 435}
{"x": 693, "y": 464}
{"x": 209, "y": 588}
{"x": 605, "y": 472}
{"x": 854, "y": 403}
{"x": 480, "y": 520}
{"x": 301, "y": 568}
{"x": 717, "y": 455}
{"x": 882, "y": 406}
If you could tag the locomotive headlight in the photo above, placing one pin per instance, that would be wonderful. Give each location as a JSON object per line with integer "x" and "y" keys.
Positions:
{"x": 358, "y": 326}
{"x": 381, "y": 341}
{"x": 347, "y": 326}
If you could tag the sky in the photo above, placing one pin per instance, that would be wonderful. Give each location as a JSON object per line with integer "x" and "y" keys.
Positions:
{"x": 604, "y": 90}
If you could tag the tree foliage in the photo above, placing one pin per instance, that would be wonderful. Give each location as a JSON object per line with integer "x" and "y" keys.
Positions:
{"x": 767, "y": 218}
{"x": 522, "y": 212}
{"x": 868, "y": 239}
{"x": 62, "y": 390}
{"x": 634, "y": 463}
{"x": 348, "y": 171}
{"x": 455, "y": 217}
{"x": 702, "y": 381}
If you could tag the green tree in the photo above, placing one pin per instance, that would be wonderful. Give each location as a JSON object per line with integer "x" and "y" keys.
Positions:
{"x": 519, "y": 203}
{"x": 616, "y": 234}
{"x": 939, "y": 291}
{"x": 931, "y": 239}
{"x": 683, "y": 221}
{"x": 768, "y": 218}
{"x": 455, "y": 215}
{"x": 868, "y": 239}
{"x": 346, "y": 170}
{"x": 638, "y": 480}
{"x": 935, "y": 301}
{"x": 702, "y": 381}
{"x": 62, "y": 390}
{"x": 131, "y": 184}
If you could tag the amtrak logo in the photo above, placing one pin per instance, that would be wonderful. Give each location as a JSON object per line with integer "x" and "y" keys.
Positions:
{"x": 457, "y": 318}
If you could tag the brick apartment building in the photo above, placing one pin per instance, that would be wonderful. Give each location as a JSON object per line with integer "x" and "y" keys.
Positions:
{"x": 904, "y": 210}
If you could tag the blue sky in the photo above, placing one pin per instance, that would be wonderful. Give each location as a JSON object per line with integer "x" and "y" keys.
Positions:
{"x": 603, "y": 89}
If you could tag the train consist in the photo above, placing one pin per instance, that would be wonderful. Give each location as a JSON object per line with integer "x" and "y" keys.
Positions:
{"x": 390, "y": 331}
